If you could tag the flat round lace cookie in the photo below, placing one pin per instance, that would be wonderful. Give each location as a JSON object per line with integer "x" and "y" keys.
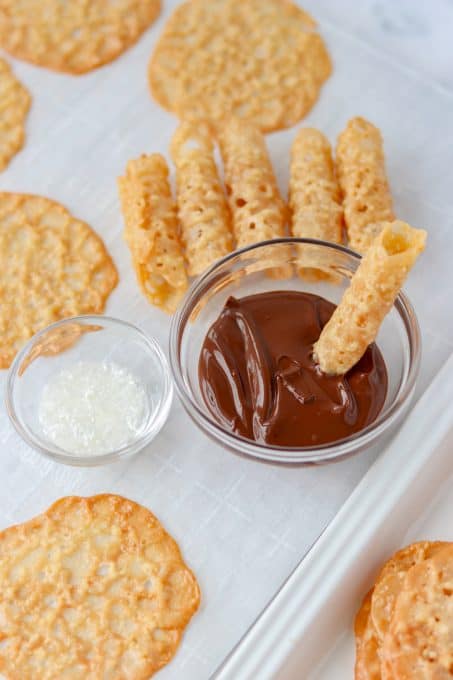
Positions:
{"x": 391, "y": 578}
{"x": 14, "y": 105}
{"x": 367, "y": 663}
{"x": 419, "y": 642}
{"x": 52, "y": 266}
{"x": 93, "y": 588}
{"x": 260, "y": 59}
{"x": 75, "y": 36}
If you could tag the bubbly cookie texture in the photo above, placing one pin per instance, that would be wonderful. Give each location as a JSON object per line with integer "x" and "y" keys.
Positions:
{"x": 262, "y": 60}
{"x": 93, "y": 588}
{"x": 14, "y": 105}
{"x": 74, "y": 37}
{"x": 52, "y": 266}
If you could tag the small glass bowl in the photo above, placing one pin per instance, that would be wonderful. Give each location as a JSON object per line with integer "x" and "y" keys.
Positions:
{"x": 313, "y": 266}
{"x": 87, "y": 339}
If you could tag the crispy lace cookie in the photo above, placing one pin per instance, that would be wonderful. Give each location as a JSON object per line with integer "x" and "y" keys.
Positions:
{"x": 419, "y": 642}
{"x": 314, "y": 199}
{"x": 93, "y": 588}
{"x": 52, "y": 266}
{"x": 260, "y": 59}
{"x": 390, "y": 580}
{"x": 373, "y": 289}
{"x": 14, "y": 105}
{"x": 202, "y": 206}
{"x": 75, "y": 36}
{"x": 367, "y": 662}
{"x": 257, "y": 208}
{"x": 367, "y": 200}
{"x": 314, "y": 194}
{"x": 152, "y": 231}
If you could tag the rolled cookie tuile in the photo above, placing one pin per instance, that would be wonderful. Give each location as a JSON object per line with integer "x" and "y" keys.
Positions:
{"x": 259, "y": 212}
{"x": 152, "y": 232}
{"x": 202, "y": 206}
{"x": 367, "y": 200}
{"x": 373, "y": 289}
{"x": 314, "y": 194}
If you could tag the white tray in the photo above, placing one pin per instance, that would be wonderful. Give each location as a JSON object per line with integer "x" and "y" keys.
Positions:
{"x": 407, "y": 495}
{"x": 242, "y": 526}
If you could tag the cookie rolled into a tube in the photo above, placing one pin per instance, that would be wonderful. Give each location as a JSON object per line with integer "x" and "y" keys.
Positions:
{"x": 367, "y": 200}
{"x": 355, "y": 323}
{"x": 151, "y": 231}
{"x": 202, "y": 206}
{"x": 259, "y": 212}
{"x": 314, "y": 194}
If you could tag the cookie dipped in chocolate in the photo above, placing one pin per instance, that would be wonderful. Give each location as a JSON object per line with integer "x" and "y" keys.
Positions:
{"x": 259, "y": 380}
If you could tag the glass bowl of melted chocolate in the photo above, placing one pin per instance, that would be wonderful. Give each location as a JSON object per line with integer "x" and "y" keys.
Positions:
{"x": 241, "y": 353}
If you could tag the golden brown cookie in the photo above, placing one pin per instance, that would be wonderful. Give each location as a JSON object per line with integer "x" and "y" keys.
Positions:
{"x": 367, "y": 662}
{"x": 314, "y": 199}
{"x": 391, "y": 577}
{"x": 202, "y": 206}
{"x": 386, "y": 671}
{"x": 314, "y": 194}
{"x": 75, "y": 36}
{"x": 374, "y": 287}
{"x": 419, "y": 642}
{"x": 14, "y": 105}
{"x": 260, "y": 59}
{"x": 152, "y": 231}
{"x": 259, "y": 212}
{"x": 93, "y": 588}
{"x": 52, "y": 266}
{"x": 367, "y": 200}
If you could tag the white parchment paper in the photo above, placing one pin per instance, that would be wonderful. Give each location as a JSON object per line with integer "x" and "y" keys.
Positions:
{"x": 242, "y": 526}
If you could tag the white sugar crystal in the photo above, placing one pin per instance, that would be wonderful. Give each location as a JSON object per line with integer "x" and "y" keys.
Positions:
{"x": 92, "y": 408}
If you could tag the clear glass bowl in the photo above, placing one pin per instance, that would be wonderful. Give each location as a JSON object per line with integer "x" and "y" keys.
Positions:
{"x": 326, "y": 271}
{"x": 87, "y": 339}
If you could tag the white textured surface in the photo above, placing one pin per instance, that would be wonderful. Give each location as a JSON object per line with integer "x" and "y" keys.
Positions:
{"x": 242, "y": 526}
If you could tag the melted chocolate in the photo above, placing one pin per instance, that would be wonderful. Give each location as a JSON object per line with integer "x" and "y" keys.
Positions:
{"x": 259, "y": 380}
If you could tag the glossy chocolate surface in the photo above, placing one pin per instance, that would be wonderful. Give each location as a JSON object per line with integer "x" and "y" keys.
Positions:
{"x": 259, "y": 380}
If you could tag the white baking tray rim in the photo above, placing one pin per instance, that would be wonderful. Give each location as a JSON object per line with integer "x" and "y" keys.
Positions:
{"x": 284, "y": 642}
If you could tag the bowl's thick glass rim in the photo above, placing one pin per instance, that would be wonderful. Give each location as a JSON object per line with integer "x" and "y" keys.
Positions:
{"x": 282, "y": 454}
{"x": 60, "y": 455}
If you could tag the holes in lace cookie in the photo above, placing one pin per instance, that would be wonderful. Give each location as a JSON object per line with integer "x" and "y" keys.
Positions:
{"x": 361, "y": 321}
{"x": 121, "y": 623}
{"x": 95, "y": 602}
{"x": 133, "y": 663}
{"x": 117, "y": 587}
{"x": 104, "y": 540}
{"x": 103, "y": 569}
{"x": 160, "y": 635}
{"x": 429, "y": 654}
{"x": 50, "y": 601}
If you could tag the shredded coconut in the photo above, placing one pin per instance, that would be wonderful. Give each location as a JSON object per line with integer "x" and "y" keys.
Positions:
{"x": 93, "y": 408}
